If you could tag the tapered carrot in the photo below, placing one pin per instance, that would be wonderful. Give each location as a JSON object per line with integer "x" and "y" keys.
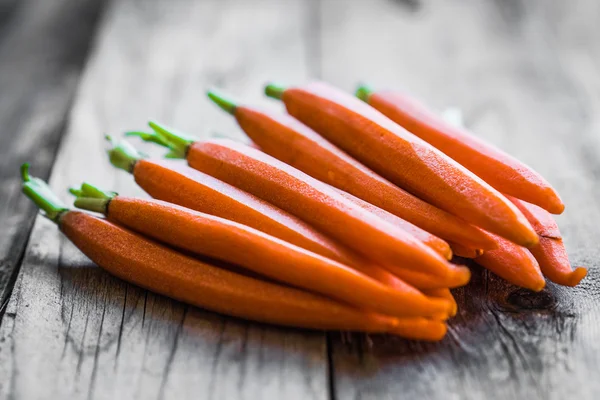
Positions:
{"x": 434, "y": 242}
{"x": 502, "y": 171}
{"x": 178, "y": 184}
{"x": 403, "y": 158}
{"x": 215, "y": 237}
{"x": 313, "y": 201}
{"x": 444, "y": 293}
{"x": 550, "y": 252}
{"x": 294, "y": 143}
{"x": 513, "y": 263}
{"x": 148, "y": 264}
{"x": 464, "y": 251}
{"x": 458, "y": 276}
{"x": 421, "y": 329}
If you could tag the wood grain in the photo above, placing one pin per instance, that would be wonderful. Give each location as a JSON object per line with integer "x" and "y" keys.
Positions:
{"x": 43, "y": 46}
{"x": 525, "y": 74}
{"x": 71, "y": 330}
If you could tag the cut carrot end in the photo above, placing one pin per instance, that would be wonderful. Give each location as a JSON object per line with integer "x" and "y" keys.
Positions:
{"x": 459, "y": 277}
{"x": 363, "y": 92}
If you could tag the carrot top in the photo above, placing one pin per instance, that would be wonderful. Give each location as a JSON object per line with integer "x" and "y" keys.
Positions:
{"x": 178, "y": 143}
{"x": 274, "y": 91}
{"x": 41, "y": 194}
{"x": 363, "y": 92}
{"x": 89, "y": 197}
{"x": 223, "y": 102}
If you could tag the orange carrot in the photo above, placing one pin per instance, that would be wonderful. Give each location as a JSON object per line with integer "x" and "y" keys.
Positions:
{"x": 458, "y": 276}
{"x": 421, "y": 329}
{"x": 404, "y": 159}
{"x": 550, "y": 252}
{"x": 292, "y": 142}
{"x": 215, "y": 237}
{"x": 464, "y": 251}
{"x": 444, "y": 293}
{"x": 313, "y": 201}
{"x": 176, "y": 183}
{"x": 513, "y": 263}
{"x": 502, "y": 171}
{"x": 434, "y": 242}
{"x": 148, "y": 264}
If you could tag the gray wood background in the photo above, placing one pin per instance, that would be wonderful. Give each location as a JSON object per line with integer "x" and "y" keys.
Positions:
{"x": 526, "y": 74}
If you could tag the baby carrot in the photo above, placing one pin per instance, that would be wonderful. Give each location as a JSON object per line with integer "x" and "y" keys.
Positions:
{"x": 502, "y": 171}
{"x": 404, "y": 159}
{"x": 434, "y": 242}
{"x": 550, "y": 252}
{"x": 464, "y": 251}
{"x": 148, "y": 264}
{"x": 457, "y": 276}
{"x": 444, "y": 293}
{"x": 215, "y": 237}
{"x": 313, "y": 201}
{"x": 513, "y": 263}
{"x": 178, "y": 184}
{"x": 294, "y": 143}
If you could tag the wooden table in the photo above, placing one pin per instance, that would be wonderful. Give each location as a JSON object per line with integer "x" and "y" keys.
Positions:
{"x": 526, "y": 74}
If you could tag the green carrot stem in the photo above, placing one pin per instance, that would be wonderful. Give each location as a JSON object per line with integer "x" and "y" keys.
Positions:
{"x": 123, "y": 155}
{"x": 223, "y": 102}
{"x": 91, "y": 198}
{"x": 40, "y": 193}
{"x": 364, "y": 92}
{"x": 275, "y": 91}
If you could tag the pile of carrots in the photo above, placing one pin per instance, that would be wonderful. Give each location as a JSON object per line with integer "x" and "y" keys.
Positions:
{"x": 342, "y": 214}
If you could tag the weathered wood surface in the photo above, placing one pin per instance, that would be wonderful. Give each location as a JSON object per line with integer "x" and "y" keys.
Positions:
{"x": 71, "y": 330}
{"x": 43, "y": 46}
{"x": 526, "y": 75}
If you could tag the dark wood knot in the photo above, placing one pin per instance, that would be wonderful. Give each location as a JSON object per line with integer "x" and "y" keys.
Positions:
{"x": 529, "y": 300}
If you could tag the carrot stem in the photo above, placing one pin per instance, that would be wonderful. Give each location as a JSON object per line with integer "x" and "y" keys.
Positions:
{"x": 363, "y": 92}
{"x": 176, "y": 142}
{"x": 123, "y": 155}
{"x": 224, "y": 103}
{"x": 90, "y": 198}
{"x": 41, "y": 194}
{"x": 274, "y": 91}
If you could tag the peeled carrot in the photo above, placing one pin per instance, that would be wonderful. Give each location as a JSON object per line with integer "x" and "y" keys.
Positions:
{"x": 502, "y": 171}
{"x": 292, "y": 142}
{"x": 215, "y": 237}
{"x": 434, "y": 242}
{"x": 550, "y": 252}
{"x": 421, "y": 329}
{"x": 313, "y": 201}
{"x": 148, "y": 264}
{"x": 404, "y": 159}
{"x": 444, "y": 293}
{"x": 458, "y": 276}
{"x": 464, "y": 251}
{"x": 513, "y": 263}
{"x": 176, "y": 183}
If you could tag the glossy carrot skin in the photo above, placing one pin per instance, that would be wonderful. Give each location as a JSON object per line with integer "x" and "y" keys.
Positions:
{"x": 550, "y": 252}
{"x": 229, "y": 241}
{"x": 294, "y": 143}
{"x": 406, "y": 160}
{"x": 314, "y": 202}
{"x": 502, "y": 171}
{"x": 179, "y": 184}
{"x": 458, "y": 276}
{"x": 143, "y": 262}
{"x": 421, "y": 329}
{"x": 434, "y": 242}
{"x": 513, "y": 263}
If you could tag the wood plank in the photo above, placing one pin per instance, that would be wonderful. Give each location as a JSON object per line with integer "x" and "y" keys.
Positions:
{"x": 40, "y": 63}
{"x": 71, "y": 330}
{"x": 526, "y": 75}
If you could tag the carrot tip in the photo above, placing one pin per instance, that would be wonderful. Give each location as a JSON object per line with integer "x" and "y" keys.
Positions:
{"x": 571, "y": 278}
